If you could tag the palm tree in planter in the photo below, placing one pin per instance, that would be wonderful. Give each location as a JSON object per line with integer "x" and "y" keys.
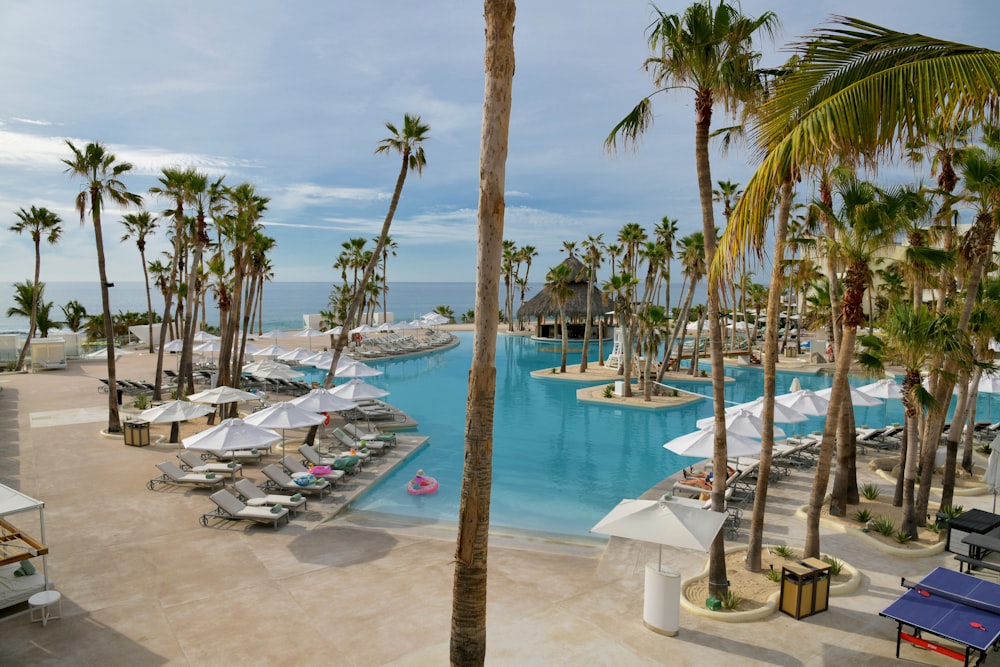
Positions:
{"x": 101, "y": 173}
{"x": 139, "y": 226}
{"x": 74, "y": 314}
{"x": 38, "y": 222}
{"x": 559, "y": 281}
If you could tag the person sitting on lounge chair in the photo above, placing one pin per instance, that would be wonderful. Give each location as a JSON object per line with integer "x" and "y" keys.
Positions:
{"x": 704, "y": 483}
{"x": 707, "y": 475}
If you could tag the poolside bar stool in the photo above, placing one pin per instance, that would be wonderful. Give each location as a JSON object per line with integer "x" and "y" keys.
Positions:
{"x": 40, "y": 606}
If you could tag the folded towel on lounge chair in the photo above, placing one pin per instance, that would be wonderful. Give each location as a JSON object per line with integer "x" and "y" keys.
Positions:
{"x": 174, "y": 475}
{"x": 255, "y": 497}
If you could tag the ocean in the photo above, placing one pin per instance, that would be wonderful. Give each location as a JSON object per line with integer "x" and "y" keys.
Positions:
{"x": 284, "y": 302}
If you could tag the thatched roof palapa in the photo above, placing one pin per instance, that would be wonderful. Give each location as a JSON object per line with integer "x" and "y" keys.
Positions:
{"x": 544, "y": 305}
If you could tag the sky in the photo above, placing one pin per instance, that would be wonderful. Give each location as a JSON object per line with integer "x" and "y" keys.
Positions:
{"x": 293, "y": 98}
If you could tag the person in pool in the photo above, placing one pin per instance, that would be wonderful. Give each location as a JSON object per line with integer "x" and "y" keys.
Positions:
{"x": 419, "y": 480}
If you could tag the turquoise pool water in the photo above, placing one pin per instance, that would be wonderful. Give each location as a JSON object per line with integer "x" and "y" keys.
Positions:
{"x": 559, "y": 465}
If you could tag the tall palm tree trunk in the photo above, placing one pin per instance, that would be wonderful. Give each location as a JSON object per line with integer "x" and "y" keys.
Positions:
{"x": 33, "y": 322}
{"x": 756, "y": 540}
{"x": 114, "y": 420}
{"x": 468, "y": 619}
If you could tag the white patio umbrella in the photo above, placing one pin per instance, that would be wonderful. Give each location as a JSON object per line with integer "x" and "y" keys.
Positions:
{"x": 363, "y": 329}
{"x": 356, "y": 369}
{"x": 327, "y": 359}
{"x": 858, "y": 399}
{"x": 273, "y": 333}
{"x": 308, "y": 333}
{"x": 885, "y": 389}
{"x": 270, "y": 351}
{"x": 298, "y": 355}
{"x": 103, "y": 353}
{"x": 384, "y": 327}
{"x": 663, "y": 523}
{"x": 989, "y": 384}
{"x": 318, "y": 358}
{"x": 321, "y": 400}
{"x": 231, "y": 435}
{"x": 176, "y": 345}
{"x": 283, "y": 416}
{"x": 795, "y": 386}
{"x": 741, "y": 422}
{"x": 992, "y": 476}
{"x": 701, "y": 444}
{"x": 357, "y": 390}
{"x": 336, "y": 331}
{"x": 782, "y": 413}
{"x": 805, "y": 401}
{"x": 173, "y": 413}
{"x": 222, "y": 394}
{"x": 209, "y": 347}
{"x": 271, "y": 369}
{"x": 204, "y": 336}
{"x": 434, "y": 319}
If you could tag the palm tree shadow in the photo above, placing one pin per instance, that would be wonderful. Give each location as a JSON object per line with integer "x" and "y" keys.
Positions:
{"x": 341, "y": 546}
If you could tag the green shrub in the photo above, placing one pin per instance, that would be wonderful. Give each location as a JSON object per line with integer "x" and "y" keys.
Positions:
{"x": 773, "y": 575}
{"x": 882, "y": 525}
{"x": 609, "y": 391}
{"x": 863, "y": 516}
{"x": 951, "y": 511}
{"x": 731, "y": 600}
{"x": 870, "y": 491}
{"x": 903, "y": 537}
{"x": 933, "y": 527}
{"x": 835, "y": 565}
{"x": 985, "y": 448}
{"x": 141, "y": 402}
{"x": 783, "y": 551}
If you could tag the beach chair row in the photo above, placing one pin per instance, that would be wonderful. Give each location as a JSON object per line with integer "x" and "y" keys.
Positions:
{"x": 378, "y": 346}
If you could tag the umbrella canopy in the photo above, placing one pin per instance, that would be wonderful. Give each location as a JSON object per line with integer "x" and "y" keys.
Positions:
{"x": 743, "y": 423}
{"x": 271, "y": 369}
{"x": 208, "y": 346}
{"x": 336, "y": 331}
{"x": 795, "y": 386}
{"x": 357, "y": 390}
{"x": 992, "y": 476}
{"x": 222, "y": 394}
{"x": 663, "y": 523}
{"x": 318, "y": 358}
{"x": 204, "y": 337}
{"x": 885, "y": 388}
{"x": 384, "y": 327}
{"x": 363, "y": 329}
{"x": 356, "y": 369}
{"x": 989, "y": 384}
{"x": 858, "y": 399}
{"x": 433, "y": 319}
{"x": 308, "y": 332}
{"x": 701, "y": 444}
{"x": 273, "y": 333}
{"x": 321, "y": 400}
{"x": 297, "y": 355}
{"x": 176, "y": 345}
{"x": 175, "y": 411}
{"x": 327, "y": 359}
{"x": 782, "y": 413}
{"x": 103, "y": 353}
{"x": 230, "y": 435}
{"x": 805, "y": 401}
{"x": 272, "y": 350}
{"x": 284, "y": 415}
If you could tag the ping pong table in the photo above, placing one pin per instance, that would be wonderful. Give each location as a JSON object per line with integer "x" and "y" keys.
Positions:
{"x": 952, "y": 605}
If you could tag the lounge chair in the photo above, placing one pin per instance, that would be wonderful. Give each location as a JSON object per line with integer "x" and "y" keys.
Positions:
{"x": 254, "y": 497}
{"x": 279, "y": 479}
{"x": 242, "y": 455}
{"x": 360, "y": 434}
{"x": 355, "y": 443}
{"x": 174, "y": 475}
{"x": 232, "y": 508}
{"x": 310, "y": 455}
{"x": 340, "y": 465}
{"x": 191, "y": 462}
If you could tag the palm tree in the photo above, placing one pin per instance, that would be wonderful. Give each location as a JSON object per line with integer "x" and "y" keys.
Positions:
{"x": 37, "y": 222}
{"x": 507, "y": 268}
{"x": 709, "y": 49}
{"x": 389, "y": 248}
{"x": 75, "y": 314}
{"x": 468, "y": 618}
{"x": 408, "y": 142}
{"x": 44, "y": 318}
{"x": 592, "y": 249}
{"x": 445, "y": 311}
{"x": 559, "y": 281}
{"x": 139, "y": 226}
{"x": 101, "y": 174}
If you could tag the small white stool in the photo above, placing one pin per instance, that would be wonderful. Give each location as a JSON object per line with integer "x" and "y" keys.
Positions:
{"x": 40, "y": 606}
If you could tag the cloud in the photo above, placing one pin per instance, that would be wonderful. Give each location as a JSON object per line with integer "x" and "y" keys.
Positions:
{"x": 28, "y": 121}
{"x": 302, "y": 195}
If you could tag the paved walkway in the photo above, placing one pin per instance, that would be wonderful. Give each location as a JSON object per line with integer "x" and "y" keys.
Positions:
{"x": 144, "y": 584}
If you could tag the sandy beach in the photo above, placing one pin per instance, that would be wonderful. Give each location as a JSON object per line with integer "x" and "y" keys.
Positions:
{"x": 144, "y": 584}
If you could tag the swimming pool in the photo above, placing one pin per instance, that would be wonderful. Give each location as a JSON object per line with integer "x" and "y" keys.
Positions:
{"x": 558, "y": 465}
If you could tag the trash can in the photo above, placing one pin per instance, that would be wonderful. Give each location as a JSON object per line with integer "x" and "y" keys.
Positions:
{"x": 136, "y": 433}
{"x": 619, "y": 387}
{"x": 805, "y": 588}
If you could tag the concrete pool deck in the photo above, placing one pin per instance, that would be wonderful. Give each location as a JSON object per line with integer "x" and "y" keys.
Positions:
{"x": 144, "y": 584}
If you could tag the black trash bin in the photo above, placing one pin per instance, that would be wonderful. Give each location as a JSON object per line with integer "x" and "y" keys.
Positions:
{"x": 120, "y": 394}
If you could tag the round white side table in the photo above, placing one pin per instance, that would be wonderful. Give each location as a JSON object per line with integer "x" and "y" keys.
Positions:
{"x": 40, "y": 606}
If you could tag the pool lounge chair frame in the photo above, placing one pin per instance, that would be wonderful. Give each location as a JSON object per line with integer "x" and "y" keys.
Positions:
{"x": 279, "y": 479}
{"x": 231, "y": 508}
{"x": 248, "y": 491}
{"x": 174, "y": 475}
